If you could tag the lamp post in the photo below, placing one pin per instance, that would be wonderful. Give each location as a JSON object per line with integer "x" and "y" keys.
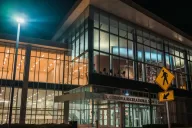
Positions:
{"x": 150, "y": 106}
{"x": 19, "y": 21}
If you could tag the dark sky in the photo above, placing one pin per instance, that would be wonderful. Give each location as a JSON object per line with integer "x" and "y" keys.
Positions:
{"x": 176, "y": 12}
{"x": 44, "y": 16}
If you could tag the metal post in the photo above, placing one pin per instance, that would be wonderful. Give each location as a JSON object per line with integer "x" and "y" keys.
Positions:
{"x": 25, "y": 86}
{"x": 136, "y": 76}
{"x": 14, "y": 75}
{"x": 93, "y": 111}
{"x": 151, "y": 108}
{"x": 90, "y": 48}
{"x": 168, "y": 120}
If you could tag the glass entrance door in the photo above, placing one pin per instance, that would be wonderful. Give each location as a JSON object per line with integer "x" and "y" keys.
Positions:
{"x": 136, "y": 115}
{"x": 103, "y": 120}
{"x": 109, "y": 118}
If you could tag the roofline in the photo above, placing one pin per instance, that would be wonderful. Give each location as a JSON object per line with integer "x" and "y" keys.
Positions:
{"x": 156, "y": 18}
{"x": 142, "y": 11}
{"x": 34, "y": 41}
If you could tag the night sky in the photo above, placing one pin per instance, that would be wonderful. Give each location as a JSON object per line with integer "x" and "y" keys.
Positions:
{"x": 45, "y": 16}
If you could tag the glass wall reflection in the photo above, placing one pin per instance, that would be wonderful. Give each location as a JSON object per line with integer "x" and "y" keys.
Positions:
{"x": 124, "y": 50}
{"x": 54, "y": 66}
{"x": 50, "y": 70}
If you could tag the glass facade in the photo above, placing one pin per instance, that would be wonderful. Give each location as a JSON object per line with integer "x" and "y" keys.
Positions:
{"x": 120, "y": 49}
{"x": 109, "y": 113}
{"x": 125, "y": 50}
{"x": 114, "y": 113}
{"x": 51, "y": 71}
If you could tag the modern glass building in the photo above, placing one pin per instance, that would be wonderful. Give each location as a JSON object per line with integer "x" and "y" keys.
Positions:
{"x": 99, "y": 69}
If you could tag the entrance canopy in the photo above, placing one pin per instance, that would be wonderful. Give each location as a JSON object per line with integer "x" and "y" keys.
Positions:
{"x": 111, "y": 107}
{"x": 93, "y": 93}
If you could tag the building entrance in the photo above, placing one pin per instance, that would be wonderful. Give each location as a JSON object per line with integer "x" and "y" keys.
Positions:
{"x": 110, "y": 110}
{"x": 109, "y": 118}
{"x": 137, "y": 115}
{"x": 133, "y": 115}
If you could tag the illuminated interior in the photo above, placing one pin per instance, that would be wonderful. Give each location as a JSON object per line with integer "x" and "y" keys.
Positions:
{"x": 47, "y": 66}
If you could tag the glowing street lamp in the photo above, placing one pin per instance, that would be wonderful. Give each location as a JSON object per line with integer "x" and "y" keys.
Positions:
{"x": 19, "y": 21}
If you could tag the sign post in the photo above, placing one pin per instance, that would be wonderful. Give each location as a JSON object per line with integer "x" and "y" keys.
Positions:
{"x": 164, "y": 80}
{"x": 168, "y": 119}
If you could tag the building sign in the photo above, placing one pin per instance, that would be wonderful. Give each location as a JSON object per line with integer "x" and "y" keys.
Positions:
{"x": 129, "y": 99}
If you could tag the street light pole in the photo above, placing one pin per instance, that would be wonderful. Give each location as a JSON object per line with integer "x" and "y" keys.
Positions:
{"x": 14, "y": 75}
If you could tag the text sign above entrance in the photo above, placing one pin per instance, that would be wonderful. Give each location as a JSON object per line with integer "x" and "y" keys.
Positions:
{"x": 129, "y": 99}
{"x": 166, "y": 96}
{"x": 164, "y": 79}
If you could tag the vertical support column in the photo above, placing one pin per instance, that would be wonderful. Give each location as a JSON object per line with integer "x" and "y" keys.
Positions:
{"x": 90, "y": 46}
{"x": 25, "y": 85}
{"x": 97, "y": 115}
{"x": 150, "y": 107}
{"x": 122, "y": 112}
{"x": 135, "y": 55}
{"x": 93, "y": 113}
{"x": 143, "y": 67}
{"x": 188, "y": 84}
{"x": 187, "y": 71}
{"x": 66, "y": 112}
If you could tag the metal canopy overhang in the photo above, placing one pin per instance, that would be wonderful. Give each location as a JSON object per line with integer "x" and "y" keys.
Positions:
{"x": 102, "y": 96}
{"x": 131, "y": 14}
{"x": 78, "y": 96}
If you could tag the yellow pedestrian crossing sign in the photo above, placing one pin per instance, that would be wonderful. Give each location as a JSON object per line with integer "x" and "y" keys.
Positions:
{"x": 166, "y": 96}
{"x": 164, "y": 79}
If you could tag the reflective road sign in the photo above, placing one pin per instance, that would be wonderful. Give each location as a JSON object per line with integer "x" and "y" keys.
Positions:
{"x": 164, "y": 78}
{"x": 166, "y": 96}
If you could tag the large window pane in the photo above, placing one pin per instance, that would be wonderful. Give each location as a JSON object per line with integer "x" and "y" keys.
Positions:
{"x": 116, "y": 66}
{"x": 122, "y": 30}
{"x": 147, "y": 54}
{"x": 82, "y": 43}
{"x": 123, "y": 47}
{"x": 114, "y": 48}
{"x": 96, "y": 62}
{"x": 86, "y": 40}
{"x": 104, "y": 63}
{"x": 131, "y": 69}
{"x": 104, "y": 22}
{"x": 77, "y": 48}
{"x": 113, "y": 26}
{"x": 130, "y": 49}
{"x": 130, "y": 33}
{"x": 104, "y": 41}
{"x": 96, "y": 19}
{"x": 124, "y": 68}
{"x": 96, "y": 39}
{"x": 140, "y": 53}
